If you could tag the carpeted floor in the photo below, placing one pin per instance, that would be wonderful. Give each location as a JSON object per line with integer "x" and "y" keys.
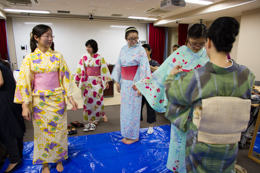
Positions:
{"x": 113, "y": 124}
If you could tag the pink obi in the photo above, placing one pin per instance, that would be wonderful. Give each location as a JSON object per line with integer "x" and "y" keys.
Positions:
{"x": 46, "y": 81}
{"x": 92, "y": 71}
{"x": 128, "y": 73}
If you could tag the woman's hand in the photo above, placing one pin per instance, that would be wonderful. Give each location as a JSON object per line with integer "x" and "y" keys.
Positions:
{"x": 107, "y": 85}
{"x": 73, "y": 103}
{"x": 26, "y": 112}
{"x": 177, "y": 69}
{"x": 118, "y": 87}
{"x": 139, "y": 93}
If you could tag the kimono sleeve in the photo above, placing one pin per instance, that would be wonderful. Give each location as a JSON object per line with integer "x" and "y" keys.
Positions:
{"x": 105, "y": 74}
{"x": 80, "y": 73}
{"x": 144, "y": 66}
{"x": 152, "y": 86}
{"x": 180, "y": 104}
{"x": 23, "y": 91}
{"x": 66, "y": 78}
{"x": 116, "y": 74}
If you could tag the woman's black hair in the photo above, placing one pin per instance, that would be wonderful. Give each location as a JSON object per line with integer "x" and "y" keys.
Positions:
{"x": 223, "y": 32}
{"x": 130, "y": 30}
{"x": 52, "y": 46}
{"x": 38, "y": 30}
{"x": 197, "y": 30}
{"x": 148, "y": 47}
{"x": 176, "y": 45}
{"x": 93, "y": 44}
{"x": 5, "y": 63}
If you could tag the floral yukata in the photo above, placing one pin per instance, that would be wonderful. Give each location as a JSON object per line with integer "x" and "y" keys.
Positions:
{"x": 92, "y": 75}
{"x": 130, "y": 103}
{"x": 153, "y": 90}
{"x": 48, "y": 106}
{"x": 152, "y": 86}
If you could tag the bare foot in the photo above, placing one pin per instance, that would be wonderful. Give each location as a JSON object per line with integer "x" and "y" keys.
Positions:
{"x": 130, "y": 141}
{"x": 105, "y": 118}
{"x": 95, "y": 123}
{"x": 124, "y": 140}
{"x": 45, "y": 168}
{"x": 11, "y": 166}
{"x": 59, "y": 167}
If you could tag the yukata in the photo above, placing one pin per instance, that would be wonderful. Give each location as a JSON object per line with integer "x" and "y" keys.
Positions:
{"x": 136, "y": 60}
{"x": 44, "y": 84}
{"x": 92, "y": 75}
{"x": 153, "y": 90}
{"x": 186, "y": 153}
{"x": 152, "y": 86}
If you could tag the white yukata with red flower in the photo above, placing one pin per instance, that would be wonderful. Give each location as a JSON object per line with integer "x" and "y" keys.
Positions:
{"x": 92, "y": 86}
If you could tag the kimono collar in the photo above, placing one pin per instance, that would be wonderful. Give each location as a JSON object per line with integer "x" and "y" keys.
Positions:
{"x": 212, "y": 68}
{"x": 187, "y": 49}
{"x": 38, "y": 51}
{"x": 94, "y": 56}
{"x": 132, "y": 46}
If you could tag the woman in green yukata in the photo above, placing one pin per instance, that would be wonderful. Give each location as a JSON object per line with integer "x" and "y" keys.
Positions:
{"x": 219, "y": 77}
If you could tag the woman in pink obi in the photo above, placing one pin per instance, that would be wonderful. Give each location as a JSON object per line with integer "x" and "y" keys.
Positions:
{"x": 44, "y": 85}
{"x": 92, "y": 78}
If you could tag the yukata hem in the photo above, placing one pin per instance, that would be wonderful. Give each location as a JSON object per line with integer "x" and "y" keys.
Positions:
{"x": 40, "y": 162}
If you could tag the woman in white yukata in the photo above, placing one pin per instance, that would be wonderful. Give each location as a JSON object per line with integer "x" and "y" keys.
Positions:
{"x": 132, "y": 66}
{"x": 92, "y": 78}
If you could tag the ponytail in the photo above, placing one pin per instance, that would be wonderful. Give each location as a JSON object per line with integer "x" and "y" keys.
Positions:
{"x": 33, "y": 43}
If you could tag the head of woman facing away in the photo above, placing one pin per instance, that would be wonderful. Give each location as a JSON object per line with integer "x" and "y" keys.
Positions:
{"x": 41, "y": 36}
{"x": 91, "y": 47}
{"x": 221, "y": 36}
{"x": 197, "y": 37}
{"x": 131, "y": 36}
{"x": 148, "y": 50}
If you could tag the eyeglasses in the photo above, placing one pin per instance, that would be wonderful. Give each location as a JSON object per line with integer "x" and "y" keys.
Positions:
{"x": 48, "y": 36}
{"x": 197, "y": 44}
{"x": 133, "y": 39}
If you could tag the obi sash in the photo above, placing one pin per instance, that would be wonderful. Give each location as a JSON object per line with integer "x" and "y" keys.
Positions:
{"x": 221, "y": 120}
{"x": 128, "y": 73}
{"x": 92, "y": 71}
{"x": 46, "y": 81}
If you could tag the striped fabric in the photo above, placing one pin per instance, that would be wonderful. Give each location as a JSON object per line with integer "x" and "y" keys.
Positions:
{"x": 183, "y": 94}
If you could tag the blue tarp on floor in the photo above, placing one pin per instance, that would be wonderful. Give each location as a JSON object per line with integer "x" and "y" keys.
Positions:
{"x": 106, "y": 153}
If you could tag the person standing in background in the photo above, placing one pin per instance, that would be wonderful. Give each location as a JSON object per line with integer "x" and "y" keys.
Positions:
{"x": 12, "y": 127}
{"x": 175, "y": 47}
{"x": 151, "y": 114}
{"x": 92, "y": 78}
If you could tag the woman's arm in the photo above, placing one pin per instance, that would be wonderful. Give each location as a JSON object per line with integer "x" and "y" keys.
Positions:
{"x": 153, "y": 69}
{"x": 1, "y": 79}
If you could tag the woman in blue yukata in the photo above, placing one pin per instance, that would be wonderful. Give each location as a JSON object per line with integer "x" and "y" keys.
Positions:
{"x": 132, "y": 66}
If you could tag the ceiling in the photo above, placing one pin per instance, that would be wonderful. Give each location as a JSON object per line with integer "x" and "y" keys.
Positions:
{"x": 121, "y": 9}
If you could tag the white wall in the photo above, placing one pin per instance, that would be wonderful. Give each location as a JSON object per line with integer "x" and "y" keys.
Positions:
{"x": 248, "y": 45}
{"x": 71, "y": 35}
{"x": 172, "y": 38}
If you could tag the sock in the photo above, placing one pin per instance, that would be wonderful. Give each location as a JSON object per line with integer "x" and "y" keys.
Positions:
{"x": 150, "y": 130}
